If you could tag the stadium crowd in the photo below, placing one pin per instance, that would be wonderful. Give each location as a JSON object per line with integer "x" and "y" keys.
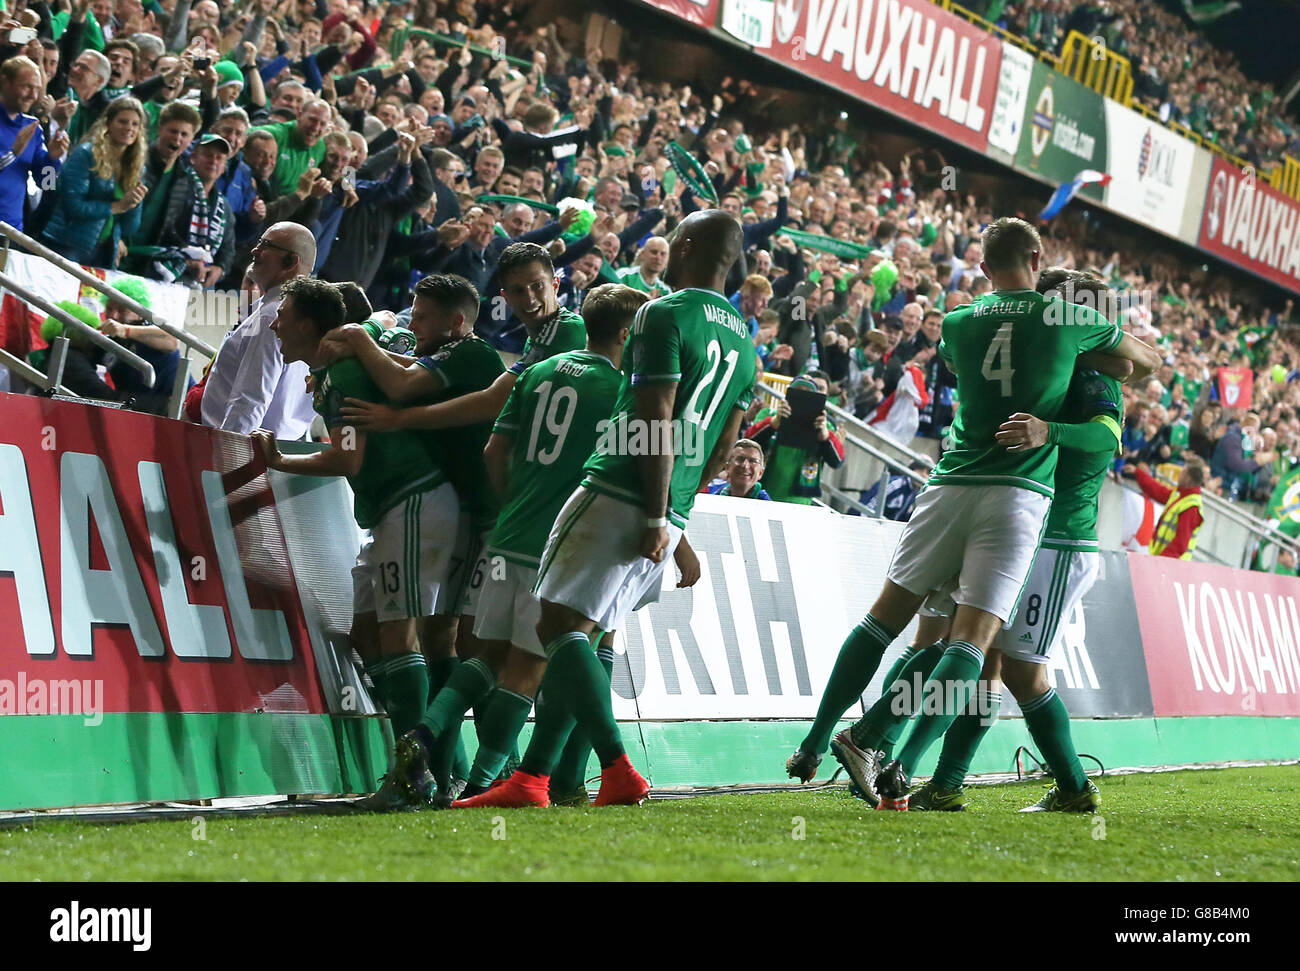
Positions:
{"x": 1176, "y": 70}
{"x": 166, "y": 138}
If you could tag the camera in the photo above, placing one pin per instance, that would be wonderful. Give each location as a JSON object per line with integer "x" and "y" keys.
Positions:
{"x": 202, "y": 63}
{"x": 22, "y": 35}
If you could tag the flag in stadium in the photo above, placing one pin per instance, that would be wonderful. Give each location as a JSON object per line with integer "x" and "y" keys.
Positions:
{"x": 1067, "y": 191}
{"x": 1204, "y": 13}
{"x": 1284, "y": 504}
{"x": 1236, "y": 385}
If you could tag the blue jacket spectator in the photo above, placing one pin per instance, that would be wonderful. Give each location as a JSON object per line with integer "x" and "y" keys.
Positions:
{"x": 20, "y": 86}
{"x": 100, "y": 189}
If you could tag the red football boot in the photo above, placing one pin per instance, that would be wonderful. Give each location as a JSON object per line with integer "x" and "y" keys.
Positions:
{"x": 520, "y": 791}
{"x": 621, "y": 785}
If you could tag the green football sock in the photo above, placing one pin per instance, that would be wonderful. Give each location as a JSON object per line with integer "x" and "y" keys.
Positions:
{"x": 503, "y": 718}
{"x": 859, "y": 657}
{"x": 378, "y": 671}
{"x": 571, "y": 771}
{"x": 439, "y": 673}
{"x": 945, "y": 694}
{"x": 1049, "y": 724}
{"x": 470, "y": 682}
{"x": 964, "y": 736}
{"x": 884, "y": 721}
{"x": 582, "y": 686}
{"x": 551, "y": 730}
{"x": 406, "y": 691}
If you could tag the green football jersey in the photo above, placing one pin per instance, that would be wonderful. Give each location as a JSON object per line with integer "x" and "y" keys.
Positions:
{"x": 631, "y": 277}
{"x": 396, "y": 464}
{"x": 1072, "y": 523}
{"x": 563, "y": 332}
{"x": 555, "y": 413}
{"x": 697, "y": 339}
{"x": 1012, "y": 351}
{"x": 466, "y": 365}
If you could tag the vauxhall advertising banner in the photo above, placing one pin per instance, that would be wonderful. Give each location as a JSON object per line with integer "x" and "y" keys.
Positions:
{"x": 1252, "y": 225}
{"x": 909, "y": 57}
{"x": 1218, "y": 641}
{"x": 145, "y": 557}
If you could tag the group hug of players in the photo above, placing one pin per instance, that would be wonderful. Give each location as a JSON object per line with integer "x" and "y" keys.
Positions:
{"x": 505, "y": 540}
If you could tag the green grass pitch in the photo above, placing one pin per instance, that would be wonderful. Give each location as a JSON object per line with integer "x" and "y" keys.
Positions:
{"x": 1229, "y": 824}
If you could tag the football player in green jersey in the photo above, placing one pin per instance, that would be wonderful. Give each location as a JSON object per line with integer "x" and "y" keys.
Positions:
{"x": 978, "y": 523}
{"x": 1087, "y": 431}
{"x": 452, "y": 362}
{"x": 528, "y": 289}
{"x": 688, "y": 375}
{"x": 402, "y": 495}
{"x": 545, "y": 434}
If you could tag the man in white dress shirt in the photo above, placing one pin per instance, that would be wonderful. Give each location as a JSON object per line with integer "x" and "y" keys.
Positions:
{"x": 250, "y": 386}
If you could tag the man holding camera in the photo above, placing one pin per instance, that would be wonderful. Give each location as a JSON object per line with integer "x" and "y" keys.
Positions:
{"x": 793, "y": 470}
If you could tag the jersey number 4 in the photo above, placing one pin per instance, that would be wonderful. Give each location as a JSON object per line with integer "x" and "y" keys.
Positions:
{"x": 997, "y": 359}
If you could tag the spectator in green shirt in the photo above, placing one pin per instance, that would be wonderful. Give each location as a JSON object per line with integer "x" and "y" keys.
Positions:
{"x": 301, "y": 143}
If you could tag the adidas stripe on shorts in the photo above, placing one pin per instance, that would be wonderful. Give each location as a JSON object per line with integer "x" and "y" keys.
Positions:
{"x": 1057, "y": 583}
{"x": 405, "y": 558}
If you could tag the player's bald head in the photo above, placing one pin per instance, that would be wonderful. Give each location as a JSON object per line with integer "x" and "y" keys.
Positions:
{"x": 705, "y": 243}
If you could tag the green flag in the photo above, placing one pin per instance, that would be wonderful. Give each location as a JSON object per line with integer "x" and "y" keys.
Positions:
{"x": 842, "y": 248}
{"x": 1204, "y": 13}
{"x": 1284, "y": 505}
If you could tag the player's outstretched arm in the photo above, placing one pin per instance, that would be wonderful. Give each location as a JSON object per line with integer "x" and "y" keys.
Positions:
{"x": 466, "y": 409}
{"x": 1023, "y": 432}
{"x": 400, "y": 378}
{"x": 654, "y": 408}
{"x": 496, "y": 460}
{"x": 343, "y": 457}
{"x": 1146, "y": 359}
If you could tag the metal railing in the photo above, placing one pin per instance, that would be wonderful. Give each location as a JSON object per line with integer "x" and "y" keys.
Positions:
{"x": 89, "y": 279}
{"x": 91, "y": 334}
{"x": 892, "y": 457}
{"x": 1094, "y": 65}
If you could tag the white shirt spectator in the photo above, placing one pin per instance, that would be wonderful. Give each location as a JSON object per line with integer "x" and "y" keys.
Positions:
{"x": 251, "y": 387}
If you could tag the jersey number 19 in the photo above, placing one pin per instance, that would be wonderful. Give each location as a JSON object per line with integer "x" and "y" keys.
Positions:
{"x": 556, "y": 412}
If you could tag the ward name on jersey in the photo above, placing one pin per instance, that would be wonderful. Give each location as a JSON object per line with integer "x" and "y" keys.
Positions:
{"x": 395, "y": 465}
{"x": 553, "y": 414}
{"x": 1072, "y": 522}
{"x": 1012, "y": 351}
{"x": 696, "y": 338}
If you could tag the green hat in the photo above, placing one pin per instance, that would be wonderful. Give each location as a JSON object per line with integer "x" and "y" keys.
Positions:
{"x": 614, "y": 148}
{"x": 805, "y": 382}
{"x": 133, "y": 287}
{"x": 52, "y": 327}
{"x": 228, "y": 72}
